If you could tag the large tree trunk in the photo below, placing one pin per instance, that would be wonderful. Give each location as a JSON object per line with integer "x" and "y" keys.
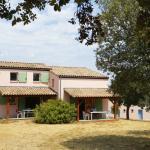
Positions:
{"x": 127, "y": 113}
{"x": 115, "y": 113}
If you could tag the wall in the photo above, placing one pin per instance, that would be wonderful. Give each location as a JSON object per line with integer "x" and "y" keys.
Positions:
{"x": 105, "y": 104}
{"x": 3, "y": 108}
{"x": 61, "y": 83}
{"x": 81, "y": 83}
{"x": 56, "y": 82}
{"x": 5, "y": 78}
{"x": 134, "y": 114}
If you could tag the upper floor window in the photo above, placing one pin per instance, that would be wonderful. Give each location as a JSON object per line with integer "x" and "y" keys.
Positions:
{"x": 13, "y": 76}
{"x": 20, "y": 77}
{"x": 36, "y": 76}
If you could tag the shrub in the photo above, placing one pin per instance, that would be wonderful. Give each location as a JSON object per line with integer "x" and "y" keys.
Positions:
{"x": 54, "y": 112}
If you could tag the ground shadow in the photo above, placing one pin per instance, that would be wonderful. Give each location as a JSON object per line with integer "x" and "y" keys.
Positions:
{"x": 140, "y": 133}
{"x": 108, "y": 142}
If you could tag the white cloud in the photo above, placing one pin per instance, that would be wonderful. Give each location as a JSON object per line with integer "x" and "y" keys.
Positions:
{"x": 49, "y": 39}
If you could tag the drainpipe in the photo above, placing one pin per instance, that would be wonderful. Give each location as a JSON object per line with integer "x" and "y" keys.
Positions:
{"x": 60, "y": 88}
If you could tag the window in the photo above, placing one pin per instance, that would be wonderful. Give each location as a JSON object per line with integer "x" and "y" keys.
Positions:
{"x": 36, "y": 76}
{"x": 13, "y": 76}
{"x": 53, "y": 83}
{"x": 132, "y": 110}
{"x": 124, "y": 110}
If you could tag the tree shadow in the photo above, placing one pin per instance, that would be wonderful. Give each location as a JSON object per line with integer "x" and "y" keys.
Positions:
{"x": 140, "y": 133}
{"x": 108, "y": 142}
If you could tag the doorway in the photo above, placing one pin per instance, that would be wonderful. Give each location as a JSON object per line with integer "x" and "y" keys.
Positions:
{"x": 140, "y": 114}
{"x": 31, "y": 102}
{"x": 81, "y": 108}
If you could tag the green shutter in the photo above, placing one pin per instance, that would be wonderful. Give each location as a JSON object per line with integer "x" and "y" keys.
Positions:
{"x": 98, "y": 104}
{"x": 44, "y": 77}
{"x": 22, "y": 77}
{"x": 21, "y": 103}
{"x": 2, "y": 100}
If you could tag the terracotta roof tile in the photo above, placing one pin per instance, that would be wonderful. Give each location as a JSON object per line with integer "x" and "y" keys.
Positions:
{"x": 22, "y": 65}
{"x": 25, "y": 91}
{"x": 89, "y": 92}
{"x": 76, "y": 72}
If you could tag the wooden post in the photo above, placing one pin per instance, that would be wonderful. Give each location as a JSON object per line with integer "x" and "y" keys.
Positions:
{"x": 7, "y": 107}
{"x": 17, "y": 109}
{"x": 78, "y": 117}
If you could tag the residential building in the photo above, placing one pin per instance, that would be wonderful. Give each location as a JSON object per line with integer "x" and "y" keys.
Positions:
{"x": 135, "y": 113}
{"x": 86, "y": 88}
{"x": 25, "y": 85}
{"x": 22, "y": 85}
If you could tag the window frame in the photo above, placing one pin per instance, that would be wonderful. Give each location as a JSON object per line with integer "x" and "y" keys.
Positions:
{"x": 16, "y": 76}
{"x": 39, "y": 76}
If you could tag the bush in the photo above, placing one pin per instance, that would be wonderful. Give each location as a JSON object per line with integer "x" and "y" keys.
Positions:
{"x": 54, "y": 112}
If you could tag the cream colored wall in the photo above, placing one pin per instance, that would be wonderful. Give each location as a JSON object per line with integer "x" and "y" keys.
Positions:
{"x": 81, "y": 83}
{"x": 105, "y": 104}
{"x": 61, "y": 83}
{"x": 134, "y": 114}
{"x": 5, "y": 78}
{"x": 56, "y": 82}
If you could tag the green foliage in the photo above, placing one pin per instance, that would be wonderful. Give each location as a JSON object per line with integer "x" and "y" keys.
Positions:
{"x": 55, "y": 112}
{"x": 24, "y": 12}
{"x": 124, "y": 52}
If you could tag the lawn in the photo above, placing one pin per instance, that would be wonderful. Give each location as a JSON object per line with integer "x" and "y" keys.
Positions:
{"x": 116, "y": 135}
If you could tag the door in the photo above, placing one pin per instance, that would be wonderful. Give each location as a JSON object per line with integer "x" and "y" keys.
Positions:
{"x": 140, "y": 114}
{"x": 81, "y": 108}
{"x": 31, "y": 102}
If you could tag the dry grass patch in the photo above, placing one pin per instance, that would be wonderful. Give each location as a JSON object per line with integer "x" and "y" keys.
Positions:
{"x": 117, "y": 135}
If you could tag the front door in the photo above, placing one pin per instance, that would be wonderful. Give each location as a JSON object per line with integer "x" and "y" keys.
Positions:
{"x": 140, "y": 114}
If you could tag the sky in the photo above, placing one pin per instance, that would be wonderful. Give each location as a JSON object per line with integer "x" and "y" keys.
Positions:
{"x": 50, "y": 39}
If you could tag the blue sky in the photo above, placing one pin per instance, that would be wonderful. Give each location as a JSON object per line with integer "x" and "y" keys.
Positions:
{"x": 50, "y": 39}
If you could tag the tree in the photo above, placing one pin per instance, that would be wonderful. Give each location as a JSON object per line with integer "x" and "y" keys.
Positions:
{"x": 126, "y": 86}
{"x": 24, "y": 12}
{"x": 124, "y": 52}
{"x": 90, "y": 26}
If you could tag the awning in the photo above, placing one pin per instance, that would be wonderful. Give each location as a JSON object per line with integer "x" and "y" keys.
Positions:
{"x": 89, "y": 92}
{"x": 6, "y": 91}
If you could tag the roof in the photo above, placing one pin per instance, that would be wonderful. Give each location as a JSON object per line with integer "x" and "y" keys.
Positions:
{"x": 25, "y": 91}
{"x": 76, "y": 72}
{"x": 89, "y": 92}
{"x": 23, "y": 65}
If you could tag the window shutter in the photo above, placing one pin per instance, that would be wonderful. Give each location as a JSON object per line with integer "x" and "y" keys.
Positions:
{"x": 98, "y": 104}
{"x": 22, "y": 77}
{"x": 44, "y": 77}
{"x": 2, "y": 100}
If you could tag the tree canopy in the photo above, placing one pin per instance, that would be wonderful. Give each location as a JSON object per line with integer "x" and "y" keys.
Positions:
{"x": 124, "y": 51}
{"x": 90, "y": 26}
{"x": 24, "y": 12}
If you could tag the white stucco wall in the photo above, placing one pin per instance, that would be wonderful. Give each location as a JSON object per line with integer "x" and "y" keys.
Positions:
{"x": 80, "y": 83}
{"x": 5, "y": 78}
{"x": 134, "y": 114}
{"x": 61, "y": 83}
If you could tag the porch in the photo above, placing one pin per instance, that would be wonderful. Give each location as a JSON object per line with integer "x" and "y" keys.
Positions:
{"x": 18, "y": 102}
{"x": 93, "y": 103}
